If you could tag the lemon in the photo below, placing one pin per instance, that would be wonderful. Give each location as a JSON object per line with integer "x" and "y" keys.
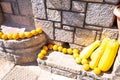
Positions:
{"x": 41, "y": 56}
{"x": 60, "y": 48}
{"x": 39, "y": 30}
{"x": 75, "y": 55}
{"x": 69, "y": 51}
{"x": 28, "y": 34}
{"x": 86, "y": 67}
{"x": 84, "y": 61}
{"x": 78, "y": 60}
{"x": 50, "y": 46}
{"x": 45, "y": 48}
{"x": 34, "y": 32}
{"x": 55, "y": 47}
{"x": 43, "y": 52}
{"x": 22, "y": 35}
{"x": 4, "y": 36}
{"x": 1, "y": 34}
{"x": 97, "y": 71}
{"x": 15, "y": 36}
{"x": 75, "y": 51}
{"x": 64, "y": 50}
{"x": 9, "y": 36}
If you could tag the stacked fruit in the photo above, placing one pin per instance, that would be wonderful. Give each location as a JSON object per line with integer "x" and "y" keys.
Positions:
{"x": 17, "y": 36}
{"x": 98, "y": 56}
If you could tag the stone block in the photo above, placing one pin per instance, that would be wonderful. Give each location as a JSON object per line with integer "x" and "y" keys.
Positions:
{"x": 23, "y": 20}
{"x": 38, "y": 8}
{"x": 111, "y": 33}
{"x": 25, "y": 43}
{"x": 93, "y": 0}
{"x": 62, "y": 35}
{"x": 84, "y": 37}
{"x": 93, "y": 27}
{"x": 78, "y": 6}
{"x": 58, "y": 25}
{"x": 64, "y": 73}
{"x": 73, "y": 19}
{"x": 68, "y": 63}
{"x": 15, "y": 8}
{"x": 68, "y": 27}
{"x": 112, "y": 1}
{"x": 25, "y": 7}
{"x": 100, "y": 14}
{"x": 54, "y": 15}
{"x": 47, "y": 27}
{"x": 58, "y": 4}
{"x": 6, "y": 7}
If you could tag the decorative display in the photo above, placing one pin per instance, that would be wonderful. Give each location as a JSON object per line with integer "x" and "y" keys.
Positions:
{"x": 23, "y": 35}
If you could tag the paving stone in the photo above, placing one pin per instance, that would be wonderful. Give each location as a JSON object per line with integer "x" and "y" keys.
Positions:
{"x": 59, "y": 4}
{"x": 84, "y": 37}
{"x": 73, "y": 19}
{"x": 25, "y": 7}
{"x": 38, "y": 8}
{"x": 93, "y": 0}
{"x": 105, "y": 17}
{"x": 54, "y": 15}
{"x": 78, "y": 6}
{"x": 24, "y": 72}
{"x": 112, "y": 1}
{"x": 111, "y": 33}
{"x": 64, "y": 35}
{"x": 47, "y": 27}
{"x": 6, "y": 7}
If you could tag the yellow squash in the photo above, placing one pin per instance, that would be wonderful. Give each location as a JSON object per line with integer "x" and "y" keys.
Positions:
{"x": 85, "y": 53}
{"x": 108, "y": 57}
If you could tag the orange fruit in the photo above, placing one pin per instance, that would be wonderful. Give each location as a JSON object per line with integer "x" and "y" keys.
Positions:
{"x": 1, "y": 34}
{"x": 41, "y": 56}
{"x": 22, "y": 35}
{"x": 86, "y": 67}
{"x": 97, "y": 71}
{"x": 34, "y": 32}
{"x": 43, "y": 52}
{"x": 15, "y": 36}
{"x": 39, "y": 30}
{"x": 64, "y": 50}
{"x": 78, "y": 60}
{"x": 55, "y": 47}
{"x": 84, "y": 61}
{"x": 45, "y": 48}
{"x": 60, "y": 48}
{"x": 69, "y": 51}
{"x": 50, "y": 46}
{"x": 75, "y": 51}
{"x": 28, "y": 34}
{"x": 9, "y": 36}
{"x": 4, "y": 36}
{"x": 75, "y": 55}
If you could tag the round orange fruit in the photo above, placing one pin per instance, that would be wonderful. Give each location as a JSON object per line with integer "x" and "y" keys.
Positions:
{"x": 97, "y": 71}
{"x": 39, "y": 30}
{"x": 4, "y": 36}
{"x": 86, "y": 67}
{"x": 43, "y": 52}
{"x": 1, "y": 34}
{"x": 60, "y": 48}
{"x": 50, "y": 46}
{"x": 41, "y": 56}
{"x": 69, "y": 51}
{"x": 28, "y": 34}
{"x": 9, "y": 36}
{"x": 55, "y": 47}
{"x": 64, "y": 50}
{"x": 84, "y": 61}
{"x": 15, "y": 36}
{"x": 22, "y": 35}
{"x": 45, "y": 48}
{"x": 34, "y": 32}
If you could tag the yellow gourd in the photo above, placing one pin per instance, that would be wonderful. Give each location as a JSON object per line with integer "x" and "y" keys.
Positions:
{"x": 85, "y": 53}
{"x": 108, "y": 56}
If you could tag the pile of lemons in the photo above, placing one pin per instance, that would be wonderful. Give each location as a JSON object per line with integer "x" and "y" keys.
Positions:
{"x": 73, "y": 52}
{"x": 23, "y": 35}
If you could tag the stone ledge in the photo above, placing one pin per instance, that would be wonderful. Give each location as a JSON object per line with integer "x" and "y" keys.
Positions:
{"x": 65, "y": 65}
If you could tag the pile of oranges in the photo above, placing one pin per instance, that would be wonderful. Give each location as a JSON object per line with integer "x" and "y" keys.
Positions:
{"x": 73, "y": 52}
{"x": 23, "y": 35}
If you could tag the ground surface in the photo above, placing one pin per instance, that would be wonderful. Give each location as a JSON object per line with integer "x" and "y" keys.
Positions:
{"x": 31, "y": 71}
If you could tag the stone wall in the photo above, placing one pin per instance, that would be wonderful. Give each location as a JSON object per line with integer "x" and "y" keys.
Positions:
{"x": 78, "y": 22}
{"x": 18, "y": 12}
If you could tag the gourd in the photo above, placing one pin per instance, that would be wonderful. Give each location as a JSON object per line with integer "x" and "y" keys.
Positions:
{"x": 108, "y": 56}
{"x": 85, "y": 53}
